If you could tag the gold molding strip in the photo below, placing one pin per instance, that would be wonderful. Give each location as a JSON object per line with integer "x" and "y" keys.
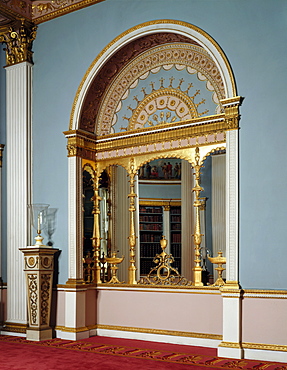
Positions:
{"x": 14, "y": 327}
{"x": 263, "y": 291}
{"x": 61, "y": 11}
{"x": 159, "y": 202}
{"x": 264, "y": 347}
{"x": 72, "y": 330}
{"x": 230, "y": 344}
{"x": 161, "y": 332}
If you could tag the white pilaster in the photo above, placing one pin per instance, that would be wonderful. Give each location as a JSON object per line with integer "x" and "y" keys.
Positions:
{"x": 75, "y": 219}
{"x": 231, "y": 294}
{"x": 231, "y": 344}
{"x": 18, "y": 98}
{"x": 218, "y": 207}
{"x": 232, "y": 206}
{"x": 75, "y": 314}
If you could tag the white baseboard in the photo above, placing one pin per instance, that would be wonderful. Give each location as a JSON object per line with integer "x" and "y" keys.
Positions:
{"x": 14, "y": 334}
{"x": 265, "y": 355}
{"x": 189, "y": 341}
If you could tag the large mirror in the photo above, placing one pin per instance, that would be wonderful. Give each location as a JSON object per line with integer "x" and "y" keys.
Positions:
{"x": 164, "y": 206}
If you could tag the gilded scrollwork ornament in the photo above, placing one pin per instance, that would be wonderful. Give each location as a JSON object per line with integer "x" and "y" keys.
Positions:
{"x": 164, "y": 273}
{"x": 19, "y": 42}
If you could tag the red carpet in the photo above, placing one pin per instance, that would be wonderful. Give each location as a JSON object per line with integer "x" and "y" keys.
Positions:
{"x": 110, "y": 353}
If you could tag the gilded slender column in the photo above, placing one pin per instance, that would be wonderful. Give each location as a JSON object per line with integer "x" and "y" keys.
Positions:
{"x": 197, "y": 270}
{"x": 96, "y": 232}
{"x": 132, "y": 236}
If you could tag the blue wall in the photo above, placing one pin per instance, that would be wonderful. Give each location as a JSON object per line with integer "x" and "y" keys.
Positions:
{"x": 253, "y": 35}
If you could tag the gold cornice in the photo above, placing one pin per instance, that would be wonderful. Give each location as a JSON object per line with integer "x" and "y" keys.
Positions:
{"x": 64, "y": 10}
{"x": 197, "y": 126}
{"x": 138, "y": 27}
{"x": 11, "y": 15}
{"x": 161, "y": 332}
{"x": 86, "y": 145}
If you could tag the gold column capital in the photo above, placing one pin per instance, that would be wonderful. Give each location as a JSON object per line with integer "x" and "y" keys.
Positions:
{"x": 18, "y": 39}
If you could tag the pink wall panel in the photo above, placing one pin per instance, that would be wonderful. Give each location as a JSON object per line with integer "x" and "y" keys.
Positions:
{"x": 264, "y": 321}
{"x": 189, "y": 312}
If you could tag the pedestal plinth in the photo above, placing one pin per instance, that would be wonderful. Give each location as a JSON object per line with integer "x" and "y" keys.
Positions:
{"x": 39, "y": 268}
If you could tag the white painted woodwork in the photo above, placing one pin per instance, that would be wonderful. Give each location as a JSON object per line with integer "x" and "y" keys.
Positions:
{"x": 18, "y": 144}
{"x": 218, "y": 199}
{"x": 75, "y": 218}
{"x": 232, "y": 205}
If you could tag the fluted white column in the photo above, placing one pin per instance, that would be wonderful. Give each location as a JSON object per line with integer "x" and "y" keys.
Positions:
{"x": 18, "y": 144}
{"x": 75, "y": 220}
{"x": 218, "y": 207}
{"x": 232, "y": 206}
{"x": 187, "y": 219}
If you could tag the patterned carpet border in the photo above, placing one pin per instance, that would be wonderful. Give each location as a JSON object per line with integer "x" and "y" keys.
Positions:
{"x": 151, "y": 354}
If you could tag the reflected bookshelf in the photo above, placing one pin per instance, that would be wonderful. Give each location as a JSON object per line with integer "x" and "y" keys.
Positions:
{"x": 151, "y": 231}
{"x": 175, "y": 236}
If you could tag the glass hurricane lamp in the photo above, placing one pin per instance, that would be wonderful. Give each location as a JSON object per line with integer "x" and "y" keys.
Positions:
{"x": 38, "y": 217}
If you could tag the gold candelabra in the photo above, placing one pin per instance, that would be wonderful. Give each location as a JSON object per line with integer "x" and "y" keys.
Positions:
{"x": 114, "y": 261}
{"x": 219, "y": 260}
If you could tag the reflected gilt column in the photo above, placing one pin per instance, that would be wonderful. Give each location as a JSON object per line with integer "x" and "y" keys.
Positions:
{"x": 197, "y": 231}
{"x": 132, "y": 236}
{"x": 96, "y": 231}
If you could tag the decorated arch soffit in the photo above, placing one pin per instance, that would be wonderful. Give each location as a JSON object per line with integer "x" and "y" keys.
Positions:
{"x": 163, "y": 76}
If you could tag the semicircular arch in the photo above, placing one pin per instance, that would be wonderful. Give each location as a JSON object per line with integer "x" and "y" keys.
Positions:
{"x": 150, "y": 34}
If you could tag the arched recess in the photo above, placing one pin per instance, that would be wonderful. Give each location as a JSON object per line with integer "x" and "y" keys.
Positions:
{"x": 110, "y": 82}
